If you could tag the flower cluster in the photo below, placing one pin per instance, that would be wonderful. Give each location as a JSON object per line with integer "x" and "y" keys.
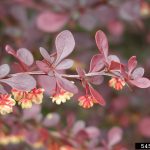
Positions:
{"x": 25, "y": 99}
{"x": 11, "y": 139}
{"x": 61, "y": 97}
{"x": 6, "y": 104}
{"x": 51, "y": 77}
{"x": 87, "y": 101}
{"x": 117, "y": 83}
{"x": 25, "y": 130}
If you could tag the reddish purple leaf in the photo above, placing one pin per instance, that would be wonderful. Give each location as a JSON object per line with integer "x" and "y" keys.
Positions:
{"x": 16, "y": 67}
{"x": 81, "y": 136}
{"x": 22, "y": 82}
{"x": 80, "y": 71}
{"x": 51, "y": 120}
{"x": 123, "y": 71}
{"x": 97, "y": 96}
{"x": 34, "y": 113}
{"x": 97, "y": 63}
{"x": 43, "y": 66}
{"x": 113, "y": 58}
{"x": 78, "y": 126}
{"x": 138, "y": 73}
{"x": 10, "y": 50}
{"x": 114, "y": 136}
{"x": 2, "y": 90}
{"x": 64, "y": 45}
{"x": 48, "y": 83}
{"x": 45, "y": 54}
{"x": 92, "y": 132}
{"x": 51, "y": 22}
{"x": 141, "y": 82}
{"x": 4, "y": 70}
{"x": 132, "y": 63}
{"x": 97, "y": 80}
{"x": 114, "y": 65}
{"x": 102, "y": 43}
{"x": 25, "y": 56}
{"x": 66, "y": 84}
{"x": 65, "y": 64}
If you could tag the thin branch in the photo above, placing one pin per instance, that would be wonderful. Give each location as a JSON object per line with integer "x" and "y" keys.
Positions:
{"x": 90, "y": 74}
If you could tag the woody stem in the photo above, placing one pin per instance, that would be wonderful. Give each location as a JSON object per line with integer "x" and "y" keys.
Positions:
{"x": 90, "y": 74}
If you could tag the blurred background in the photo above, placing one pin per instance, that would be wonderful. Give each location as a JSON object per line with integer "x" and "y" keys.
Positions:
{"x": 35, "y": 23}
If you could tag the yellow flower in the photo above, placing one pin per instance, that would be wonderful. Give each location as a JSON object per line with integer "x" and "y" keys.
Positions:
{"x": 25, "y": 98}
{"x": 61, "y": 97}
{"x": 37, "y": 95}
{"x": 26, "y": 101}
{"x": 37, "y": 144}
{"x": 18, "y": 95}
{"x": 15, "y": 139}
{"x": 145, "y": 9}
{"x": 117, "y": 83}
{"x": 6, "y": 104}
{"x": 4, "y": 140}
{"x": 87, "y": 101}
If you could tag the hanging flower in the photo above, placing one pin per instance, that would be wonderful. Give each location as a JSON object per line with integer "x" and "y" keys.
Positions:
{"x": 26, "y": 98}
{"x": 6, "y": 104}
{"x": 26, "y": 101}
{"x": 37, "y": 95}
{"x": 87, "y": 101}
{"x": 117, "y": 83}
{"x": 18, "y": 95}
{"x": 61, "y": 97}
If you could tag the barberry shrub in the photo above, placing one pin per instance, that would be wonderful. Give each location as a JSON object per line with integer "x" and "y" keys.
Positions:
{"x": 34, "y": 77}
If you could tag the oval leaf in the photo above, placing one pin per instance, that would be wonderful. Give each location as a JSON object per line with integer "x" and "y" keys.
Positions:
{"x": 141, "y": 82}
{"x": 77, "y": 127}
{"x": 114, "y": 136}
{"x": 22, "y": 82}
{"x": 64, "y": 45}
{"x": 45, "y": 54}
{"x": 113, "y": 58}
{"x": 51, "y": 22}
{"x": 97, "y": 63}
{"x": 10, "y": 50}
{"x": 2, "y": 90}
{"x": 102, "y": 42}
{"x": 25, "y": 56}
{"x": 65, "y": 64}
{"x": 34, "y": 113}
{"x": 96, "y": 80}
{"x": 92, "y": 132}
{"x": 43, "y": 66}
{"x": 114, "y": 65}
{"x": 97, "y": 96}
{"x": 66, "y": 84}
{"x": 51, "y": 120}
{"x": 4, "y": 70}
{"x": 138, "y": 73}
{"x": 132, "y": 63}
{"x": 48, "y": 83}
